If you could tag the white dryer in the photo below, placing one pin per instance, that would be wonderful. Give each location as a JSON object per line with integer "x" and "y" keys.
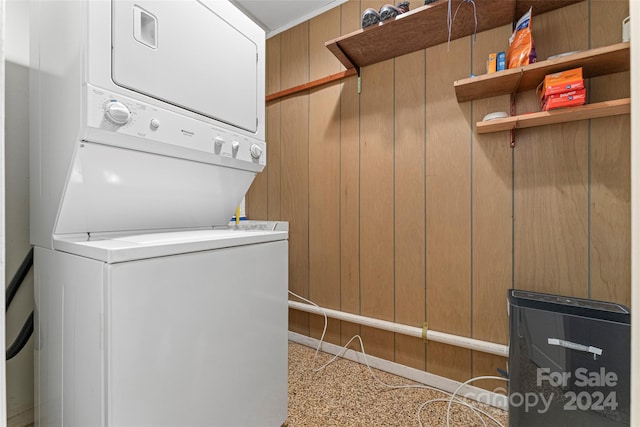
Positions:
{"x": 147, "y": 130}
{"x": 173, "y": 93}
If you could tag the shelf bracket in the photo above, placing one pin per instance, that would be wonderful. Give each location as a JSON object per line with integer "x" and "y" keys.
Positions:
{"x": 512, "y": 111}
{"x": 517, "y": 86}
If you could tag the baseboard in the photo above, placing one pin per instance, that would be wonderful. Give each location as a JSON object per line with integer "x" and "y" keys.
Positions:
{"x": 475, "y": 393}
{"x": 22, "y": 419}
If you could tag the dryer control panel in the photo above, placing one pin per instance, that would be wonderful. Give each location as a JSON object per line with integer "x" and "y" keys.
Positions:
{"x": 120, "y": 115}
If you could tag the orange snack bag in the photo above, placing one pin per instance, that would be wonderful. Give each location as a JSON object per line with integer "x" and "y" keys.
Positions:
{"x": 521, "y": 51}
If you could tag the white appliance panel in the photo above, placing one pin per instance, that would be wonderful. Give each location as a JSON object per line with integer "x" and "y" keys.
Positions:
{"x": 199, "y": 339}
{"x": 149, "y": 117}
{"x": 131, "y": 247}
{"x": 73, "y": 92}
{"x": 183, "y": 53}
{"x": 116, "y": 189}
{"x": 195, "y": 339}
{"x": 69, "y": 340}
{"x": 158, "y": 130}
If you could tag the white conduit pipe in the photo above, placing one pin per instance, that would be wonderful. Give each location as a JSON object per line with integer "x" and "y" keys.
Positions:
{"x": 412, "y": 331}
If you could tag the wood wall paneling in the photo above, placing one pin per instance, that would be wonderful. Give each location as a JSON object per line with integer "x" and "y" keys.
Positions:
{"x": 358, "y": 175}
{"x": 409, "y": 204}
{"x": 376, "y": 200}
{"x": 324, "y": 176}
{"x": 350, "y": 185}
{"x": 551, "y": 182}
{"x": 274, "y": 124}
{"x": 376, "y": 204}
{"x": 448, "y": 213}
{"x": 610, "y": 257}
{"x": 561, "y": 30}
{"x": 491, "y": 182}
{"x": 350, "y": 18}
{"x": 295, "y": 165}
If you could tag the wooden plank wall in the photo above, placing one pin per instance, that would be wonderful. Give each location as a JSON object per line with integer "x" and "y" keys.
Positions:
{"x": 398, "y": 210}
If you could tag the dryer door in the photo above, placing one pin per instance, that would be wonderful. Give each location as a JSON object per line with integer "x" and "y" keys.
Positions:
{"x": 184, "y": 53}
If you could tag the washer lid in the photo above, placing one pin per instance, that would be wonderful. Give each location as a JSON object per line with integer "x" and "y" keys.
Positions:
{"x": 114, "y": 189}
{"x": 141, "y": 246}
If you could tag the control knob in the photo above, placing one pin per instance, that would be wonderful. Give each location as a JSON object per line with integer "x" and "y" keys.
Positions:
{"x": 235, "y": 145}
{"x": 256, "y": 151}
{"x": 217, "y": 144}
{"x": 117, "y": 113}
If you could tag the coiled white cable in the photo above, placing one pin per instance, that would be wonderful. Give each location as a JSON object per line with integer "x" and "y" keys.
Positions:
{"x": 477, "y": 411}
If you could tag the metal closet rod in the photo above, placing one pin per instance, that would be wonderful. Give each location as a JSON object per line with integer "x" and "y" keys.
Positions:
{"x": 412, "y": 331}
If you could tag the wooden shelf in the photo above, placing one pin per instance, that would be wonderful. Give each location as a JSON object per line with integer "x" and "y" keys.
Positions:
{"x": 590, "y": 111}
{"x": 594, "y": 62}
{"x": 426, "y": 26}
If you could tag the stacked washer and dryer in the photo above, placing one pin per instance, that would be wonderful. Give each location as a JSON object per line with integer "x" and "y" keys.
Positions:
{"x": 147, "y": 130}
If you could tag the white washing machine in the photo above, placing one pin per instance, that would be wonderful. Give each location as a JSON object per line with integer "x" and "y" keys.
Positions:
{"x": 147, "y": 130}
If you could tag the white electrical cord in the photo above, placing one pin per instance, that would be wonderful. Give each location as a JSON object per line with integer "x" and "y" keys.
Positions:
{"x": 324, "y": 330}
{"x": 459, "y": 402}
{"x": 486, "y": 377}
{"x": 478, "y": 412}
{"x": 450, "y": 19}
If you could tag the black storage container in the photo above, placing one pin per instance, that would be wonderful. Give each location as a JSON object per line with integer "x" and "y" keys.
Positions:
{"x": 569, "y": 361}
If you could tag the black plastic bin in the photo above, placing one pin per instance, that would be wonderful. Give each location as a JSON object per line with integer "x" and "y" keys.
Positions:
{"x": 569, "y": 361}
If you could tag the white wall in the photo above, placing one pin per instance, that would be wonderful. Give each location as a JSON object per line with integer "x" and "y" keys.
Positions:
{"x": 3, "y": 408}
{"x": 17, "y": 31}
{"x": 634, "y": 8}
{"x": 19, "y": 370}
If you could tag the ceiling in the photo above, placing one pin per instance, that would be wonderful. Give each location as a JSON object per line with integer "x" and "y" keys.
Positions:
{"x": 276, "y": 16}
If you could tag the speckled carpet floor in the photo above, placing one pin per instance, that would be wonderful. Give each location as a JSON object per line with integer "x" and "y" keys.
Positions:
{"x": 345, "y": 394}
